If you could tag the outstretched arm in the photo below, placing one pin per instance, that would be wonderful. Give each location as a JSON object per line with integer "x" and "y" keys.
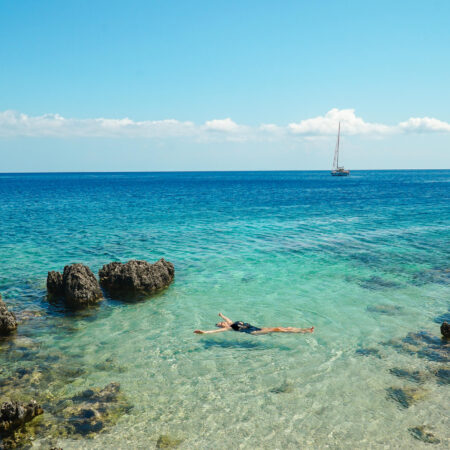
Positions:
{"x": 227, "y": 320}
{"x": 220, "y": 330}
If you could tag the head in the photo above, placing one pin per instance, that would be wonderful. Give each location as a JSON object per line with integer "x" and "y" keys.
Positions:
{"x": 222, "y": 325}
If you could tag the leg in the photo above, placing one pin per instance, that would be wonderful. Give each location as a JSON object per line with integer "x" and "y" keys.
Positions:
{"x": 268, "y": 330}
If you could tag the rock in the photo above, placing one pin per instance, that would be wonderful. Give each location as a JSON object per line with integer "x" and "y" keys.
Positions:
{"x": 424, "y": 434}
{"x": 136, "y": 279}
{"x": 165, "y": 441}
{"x": 424, "y": 345}
{"x": 443, "y": 376}
{"x": 368, "y": 352}
{"x": 14, "y": 414}
{"x": 390, "y": 310}
{"x": 406, "y": 396}
{"x": 376, "y": 283}
{"x": 445, "y": 330}
{"x": 445, "y": 317}
{"x": 94, "y": 409}
{"x": 8, "y": 322}
{"x": 439, "y": 275}
{"x": 55, "y": 286}
{"x": 411, "y": 375}
{"x": 284, "y": 388}
{"x": 77, "y": 286}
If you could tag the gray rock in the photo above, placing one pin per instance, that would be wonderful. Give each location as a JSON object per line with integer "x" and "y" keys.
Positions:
{"x": 14, "y": 414}
{"x": 55, "y": 285}
{"x": 77, "y": 286}
{"x": 8, "y": 322}
{"x": 445, "y": 330}
{"x": 136, "y": 279}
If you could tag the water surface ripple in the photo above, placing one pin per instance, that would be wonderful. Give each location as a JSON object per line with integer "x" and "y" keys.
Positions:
{"x": 365, "y": 259}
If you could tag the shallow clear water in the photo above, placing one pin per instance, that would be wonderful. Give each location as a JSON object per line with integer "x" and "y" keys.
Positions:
{"x": 270, "y": 248}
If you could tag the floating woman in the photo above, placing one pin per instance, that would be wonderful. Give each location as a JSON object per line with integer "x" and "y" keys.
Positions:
{"x": 229, "y": 325}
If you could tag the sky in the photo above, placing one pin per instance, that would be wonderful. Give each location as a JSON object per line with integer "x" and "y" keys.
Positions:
{"x": 214, "y": 85}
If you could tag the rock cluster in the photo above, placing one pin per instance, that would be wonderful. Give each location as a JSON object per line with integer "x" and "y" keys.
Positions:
{"x": 8, "y": 322}
{"x": 14, "y": 414}
{"x": 136, "y": 279}
{"x": 77, "y": 286}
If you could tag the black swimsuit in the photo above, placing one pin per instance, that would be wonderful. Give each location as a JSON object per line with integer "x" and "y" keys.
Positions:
{"x": 244, "y": 327}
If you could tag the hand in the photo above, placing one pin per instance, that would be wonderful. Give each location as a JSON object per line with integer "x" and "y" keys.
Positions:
{"x": 199, "y": 332}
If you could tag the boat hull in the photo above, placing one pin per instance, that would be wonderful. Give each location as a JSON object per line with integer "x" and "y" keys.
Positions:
{"x": 340, "y": 173}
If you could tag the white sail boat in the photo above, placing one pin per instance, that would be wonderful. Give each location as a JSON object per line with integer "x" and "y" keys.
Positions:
{"x": 338, "y": 171}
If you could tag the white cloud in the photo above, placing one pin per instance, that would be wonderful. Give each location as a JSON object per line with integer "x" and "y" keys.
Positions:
{"x": 14, "y": 124}
{"x": 424, "y": 125}
{"x": 328, "y": 124}
{"x": 225, "y": 125}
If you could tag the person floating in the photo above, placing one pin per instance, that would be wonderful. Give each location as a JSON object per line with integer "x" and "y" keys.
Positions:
{"x": 229, "y": 325}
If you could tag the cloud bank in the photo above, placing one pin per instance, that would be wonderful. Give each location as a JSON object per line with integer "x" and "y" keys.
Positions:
{"x": 14, "y": 124}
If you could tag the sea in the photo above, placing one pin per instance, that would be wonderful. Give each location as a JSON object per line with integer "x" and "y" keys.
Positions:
{"x": 364, "y": 259}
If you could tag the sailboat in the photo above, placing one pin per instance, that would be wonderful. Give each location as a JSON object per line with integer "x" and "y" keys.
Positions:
{"x": 338, "y": 171}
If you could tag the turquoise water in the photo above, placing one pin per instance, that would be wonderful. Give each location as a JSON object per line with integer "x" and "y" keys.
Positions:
{"x": 365, "y": 259}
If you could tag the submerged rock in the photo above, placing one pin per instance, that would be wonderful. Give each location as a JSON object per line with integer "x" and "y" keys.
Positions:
{"x": 94, "y": 409}
{"x": 443, "y": 376}
{"x": 77, "y": 286}
{"x": 8, "y": 322}
{"x": 424, "y": 434}
{"x": 165, "y": 441}
{"x": 14, "y": 414}
{"x": 136, "y": 279}
{"x": 406, "y": 396}
{"x": 375, "y": 283}
{"x": 368, "y": 352}
{"x": 411, "y": 375}
{"x": 423, "y": 345}
{"x": 390, "y": 310}
{"x": 284, "y": 388}
{"x": 445, "y": 330}
{"x": 445, "y": 317}
{"x": 436, "y": 275}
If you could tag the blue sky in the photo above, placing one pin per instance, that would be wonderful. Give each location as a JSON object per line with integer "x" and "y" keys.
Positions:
{"x": 212, "y": 85}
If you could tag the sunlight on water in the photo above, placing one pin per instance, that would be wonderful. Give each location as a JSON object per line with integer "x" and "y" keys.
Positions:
{"x": 365, "y": 260}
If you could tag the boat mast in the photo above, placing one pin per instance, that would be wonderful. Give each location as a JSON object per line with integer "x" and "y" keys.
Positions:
{"x": 336, "y": 150}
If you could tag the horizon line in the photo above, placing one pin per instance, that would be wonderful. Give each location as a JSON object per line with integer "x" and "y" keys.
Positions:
{"x": 211, "y": 171}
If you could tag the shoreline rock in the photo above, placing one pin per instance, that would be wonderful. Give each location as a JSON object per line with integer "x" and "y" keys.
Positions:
{"x": 136, "y": 279}
{"x": 14, "y": 414}
{"x": 445, "y": 330}
{"x": 77, "y": 286}
{"x": 8, "y": 321}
